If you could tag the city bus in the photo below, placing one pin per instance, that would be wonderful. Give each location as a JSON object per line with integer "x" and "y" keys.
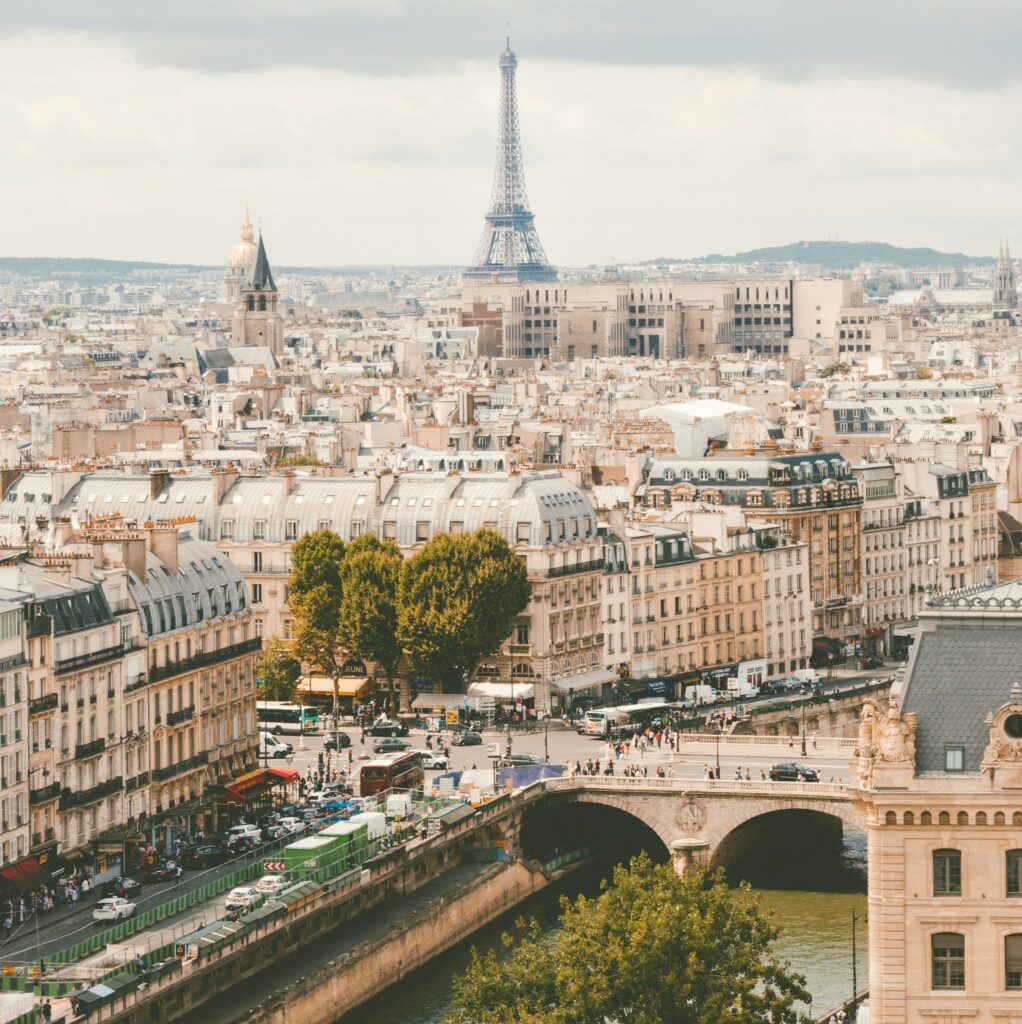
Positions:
{"x": 625, "y": 720}
{"x": 400, "y": 769}
{"x": 278, "y": 716}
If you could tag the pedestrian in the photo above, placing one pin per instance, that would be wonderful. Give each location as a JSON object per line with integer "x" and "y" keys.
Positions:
{"x": 706, "y": 770}
{"x": 139, "y": 964}
{"x": 791, "y": 743}
{"x": 8, "y": 927}
{"x": 738, "y": 774}
{"x": 86, "y": 887}
{"x": 47, "y": 1011}
{"x": 814, "y": 741}
{"x": 748, "y": 775}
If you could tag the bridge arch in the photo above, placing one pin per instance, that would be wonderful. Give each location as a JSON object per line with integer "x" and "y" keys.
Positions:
{"x": 567, "y": 821}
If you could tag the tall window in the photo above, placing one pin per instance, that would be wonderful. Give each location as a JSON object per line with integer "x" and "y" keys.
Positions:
{"x": 1013, "y": 866}
{"x": 947, "y": 956}
{"x": 1013, "y": 961}
{"x": 947, "y": 873}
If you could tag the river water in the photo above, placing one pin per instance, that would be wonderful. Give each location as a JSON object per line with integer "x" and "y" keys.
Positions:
{"x": 816, "y": 938}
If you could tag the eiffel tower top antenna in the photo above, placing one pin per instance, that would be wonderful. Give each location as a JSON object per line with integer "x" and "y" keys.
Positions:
{"x": 510, "y": 249}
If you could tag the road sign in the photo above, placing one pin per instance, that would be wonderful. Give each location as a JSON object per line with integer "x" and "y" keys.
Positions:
{"x": 452, "y": 716}
{"x": 273, "y": 865}
{"x": 492, "y": 750}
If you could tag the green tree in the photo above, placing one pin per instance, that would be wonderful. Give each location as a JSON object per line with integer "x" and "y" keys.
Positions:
{"x": 458, "y": 599}
{"x": 299, "y": 460}
{"x": 651, "y": 948}
{"x": 279, "y": 672}
{"x": 369, "y": 582}
{"x": 834, "y": 369}
{"x": 314, "y": 594}
{"x": 315, "y": 559}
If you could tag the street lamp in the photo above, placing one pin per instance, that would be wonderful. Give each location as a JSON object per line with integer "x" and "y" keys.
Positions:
{"x": 803, "y": 728}
{"x": 716, "y": 737}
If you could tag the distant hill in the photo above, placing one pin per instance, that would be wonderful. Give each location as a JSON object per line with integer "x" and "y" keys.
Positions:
{"x": 844, "y": 255}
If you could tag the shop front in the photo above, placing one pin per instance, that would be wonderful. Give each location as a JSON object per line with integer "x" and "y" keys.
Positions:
{"x": 256, "y": 793}
{"x": 319, "y": 691}
{"x": 583, "y": 689}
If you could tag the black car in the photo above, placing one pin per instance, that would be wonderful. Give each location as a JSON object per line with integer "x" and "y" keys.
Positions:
{"x": 163, "y": 870}
{"x": 790, "y": 771}
{"x": 337, "y": 741}
{"x": 466, "y": 738}
{"x": 387, "y": 728}
{"x": 122, "y": 886}
{"x": 206, "y": 855}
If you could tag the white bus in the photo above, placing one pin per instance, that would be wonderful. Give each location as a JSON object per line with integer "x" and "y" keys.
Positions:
{"x": 278, "y": 716}
{"x": 624, "y": 720}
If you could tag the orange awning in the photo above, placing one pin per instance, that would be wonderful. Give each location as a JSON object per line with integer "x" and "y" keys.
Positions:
{"x": 283, "y": 775}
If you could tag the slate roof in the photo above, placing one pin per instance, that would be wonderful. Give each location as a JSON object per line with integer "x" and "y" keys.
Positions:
{"x": 959, "y": 673}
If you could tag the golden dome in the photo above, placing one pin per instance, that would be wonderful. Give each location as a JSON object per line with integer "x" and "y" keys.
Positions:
{"x": 244, "y": 253}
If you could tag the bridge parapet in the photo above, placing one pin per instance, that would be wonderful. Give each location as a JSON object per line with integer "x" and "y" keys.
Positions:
{"x": 693, "y": 817}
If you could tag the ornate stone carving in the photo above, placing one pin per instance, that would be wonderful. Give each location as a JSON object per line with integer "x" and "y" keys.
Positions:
{"x": 886, "y": 736}
{"x": 1002, "y": 748}
{"x": 896, "y": 736}
{"x": 691, "y": 816}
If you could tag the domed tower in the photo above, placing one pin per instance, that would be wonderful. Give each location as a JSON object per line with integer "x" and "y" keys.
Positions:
{"x": 239, "y": 264}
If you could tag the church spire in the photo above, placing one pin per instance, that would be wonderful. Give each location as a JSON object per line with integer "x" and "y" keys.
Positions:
{"x": 262, "y": 277}
{"x": 1005, "y": 291}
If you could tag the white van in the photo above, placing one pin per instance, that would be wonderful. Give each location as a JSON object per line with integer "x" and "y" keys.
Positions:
{"x": 375, "y": 822}
{"x": 273, "y": 746}
{"x": 399, "y": 805}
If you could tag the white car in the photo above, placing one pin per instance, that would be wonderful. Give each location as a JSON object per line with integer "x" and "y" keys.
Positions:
{"x": 114, "y": 908}
{"x": 243, "y": 897}
{"x": 271, "y": 885}
{"x": 244, "y": 832}
{"x": 431, "y": 760}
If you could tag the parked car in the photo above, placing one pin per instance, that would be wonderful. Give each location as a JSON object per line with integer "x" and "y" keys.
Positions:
{"x": 205, "y": 855}
{"x": 122, "y": 886}
{"x": 337, "y": 741}
{"x": 282, "y": 830}
{"x": 237, "y": 832}
{"x": 330, "y": 792}
{"x": 243, "y": 898}
{"x": 466, "y": 738}
{"x": 431, "y": 760}
{"x": 791, "y": 771}
{"x": 387, "y": 727}
{"x": 386, "y": 743}
{"x": 271, "y": 885}
{"x": 113, "y": 909}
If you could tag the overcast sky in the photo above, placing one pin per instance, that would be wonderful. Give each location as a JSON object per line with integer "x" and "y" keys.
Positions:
{"x": 363, "y": 131}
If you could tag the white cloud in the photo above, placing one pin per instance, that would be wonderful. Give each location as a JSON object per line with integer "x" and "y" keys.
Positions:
{"x": 111, "y": 157}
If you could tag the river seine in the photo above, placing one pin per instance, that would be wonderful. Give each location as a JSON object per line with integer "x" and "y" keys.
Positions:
{"x": 816, "y": 938}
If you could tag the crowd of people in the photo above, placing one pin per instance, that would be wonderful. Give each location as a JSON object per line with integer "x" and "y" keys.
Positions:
{"x": 63, "y": 894}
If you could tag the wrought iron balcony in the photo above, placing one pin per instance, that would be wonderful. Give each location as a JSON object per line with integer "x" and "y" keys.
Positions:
{"x": 93, "y": 749}
{"x": 44, "y": 793}
{"x": 38, "y": 705}
{"x": 204, "y": 658}
{"x": 69, "y": 798}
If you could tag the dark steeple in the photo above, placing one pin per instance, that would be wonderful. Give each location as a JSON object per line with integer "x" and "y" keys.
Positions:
{"x": 262, "y": 277}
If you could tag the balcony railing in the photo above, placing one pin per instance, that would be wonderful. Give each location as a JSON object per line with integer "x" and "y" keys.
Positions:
{"x": 39, "y": 838}
{"x": 201, "y": 660}
{"x": 573, "y": 570}
{"x": 13, "y": 661}
{"x": 41, "y": 625}
{"x": 519, "y": 648}
{"x": 38, "y": 705}
{"x": 84, "y": 750}
{"x": 137, "y": 684}
{"x": 168, "y": 772}
{"x": 137, "y": 782}
{"x": 92, "y": 658}
{"x": 69, "y": 799}
{"x": 181, "y": 715}
{"x": 44, "y": 793}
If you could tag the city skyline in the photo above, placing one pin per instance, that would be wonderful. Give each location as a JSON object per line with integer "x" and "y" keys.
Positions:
{"x": 136, "y": 141}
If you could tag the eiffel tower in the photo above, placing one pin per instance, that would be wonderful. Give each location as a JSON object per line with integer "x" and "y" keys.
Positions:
{"x": 510, "y": 249}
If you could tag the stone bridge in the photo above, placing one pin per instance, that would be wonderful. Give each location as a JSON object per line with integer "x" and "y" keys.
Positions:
{"x": 709, "y": 821}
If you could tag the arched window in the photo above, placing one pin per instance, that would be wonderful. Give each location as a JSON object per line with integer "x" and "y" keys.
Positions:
{"x": 668, "y": 474}
{"x": 963, "y": 818}
{"x": 704, "y": 474}
{"x": 947, "y": 873}
{"x": 999, "y": 818}
{"x": 521, "y": 670}
{"x": 742, "y": 474}
{"x": 947, "y": 957}
{"x": 945, "y": 818}
{"x": 250, "y": 303}
{"x": 981, "y": 818}
{"x": 908, "y": 818}
{"x": 1013, "y": 872}
{"x": 262, "y": 303}
{"x": 1013, "y": 961}
{"x": 721, "y": 474}
{"x": 891, "y": 818}
{"x": 926, "y": 818}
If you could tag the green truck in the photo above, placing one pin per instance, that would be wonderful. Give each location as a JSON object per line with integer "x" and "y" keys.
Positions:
{"x": 353, "y": 837}
{"x": 315, "y": 857}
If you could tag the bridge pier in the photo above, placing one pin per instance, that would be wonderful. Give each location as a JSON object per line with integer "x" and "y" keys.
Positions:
{"x": 687, "y": 853}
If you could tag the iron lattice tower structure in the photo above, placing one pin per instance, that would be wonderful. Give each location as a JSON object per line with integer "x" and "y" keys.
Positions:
{"x": 510, "y": 249}
{"x": 1005, "y": 292}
